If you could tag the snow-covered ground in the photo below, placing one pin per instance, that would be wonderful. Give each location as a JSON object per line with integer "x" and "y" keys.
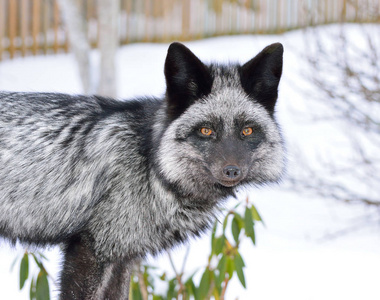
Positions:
{"x": 311, "y": 247}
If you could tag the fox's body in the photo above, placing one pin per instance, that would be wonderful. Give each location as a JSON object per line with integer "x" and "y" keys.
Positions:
{"x": 114, "y": 181}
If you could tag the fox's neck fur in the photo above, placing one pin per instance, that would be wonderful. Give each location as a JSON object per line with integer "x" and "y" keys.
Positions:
{"x": 163, "y": 216}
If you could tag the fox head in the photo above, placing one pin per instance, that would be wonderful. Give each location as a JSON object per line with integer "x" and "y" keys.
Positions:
{"x": 220, "y": 131}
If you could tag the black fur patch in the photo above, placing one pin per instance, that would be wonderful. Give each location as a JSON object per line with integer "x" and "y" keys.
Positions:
{"x": 187, "y": 79}
{"x": 261, "y": 75}
{"x": 81, "y": 273}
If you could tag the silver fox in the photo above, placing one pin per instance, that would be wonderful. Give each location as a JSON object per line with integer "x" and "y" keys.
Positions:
{"x": 115, "y": 180}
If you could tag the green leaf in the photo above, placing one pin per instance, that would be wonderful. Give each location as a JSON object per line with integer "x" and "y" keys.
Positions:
{"x": 235, "y": 230}
{"x": 248, "y": 221}
{"x": 225, "y": 223}
{"x": 222, "y": 266}
{"x": 171, "y": 290}
{"x": 255, "y": 214}
{"x": 42, "y": 286}
{"x": 32, "y": 291}
{"x": 230, "y": 267}
{"x": 204, "y": 284}
{"x": 146, "y": 276}
{"x": 253, "y": 237}
{"x": 163, "y": 276}
{"x": 147, "y": 267}
{"x": 239, "y": 259}
{"x": 24, "y": 270}
{"x": 190, "y": 284}
{"x": 214, "y": 229}
{"x": 216, "y": 293}
{"x": 135, "y": 292}
{"x": 190, "y": 287}
{"x": 38, "y": 262}
{"x": 213, "y": 240}
{"x": 219, "y": 243}
{"x": 248, "y": 225}
{"x": 239, "y": 265}
{"x": 239, "y": 220}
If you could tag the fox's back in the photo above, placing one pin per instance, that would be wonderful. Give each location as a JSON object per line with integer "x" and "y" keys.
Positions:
{"x": 52, "y": 166}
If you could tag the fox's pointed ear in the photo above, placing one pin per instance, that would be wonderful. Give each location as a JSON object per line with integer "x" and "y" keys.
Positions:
{"x": 187, "y": 79}
{"x": 261, "y": 75}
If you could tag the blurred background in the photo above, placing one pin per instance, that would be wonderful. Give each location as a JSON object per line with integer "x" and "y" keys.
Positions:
{"x": 31, "y": 27}
{"x": 316, "y": 234}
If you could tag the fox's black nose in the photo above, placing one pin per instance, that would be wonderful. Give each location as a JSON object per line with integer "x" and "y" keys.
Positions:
{"x": 231, "y": 172}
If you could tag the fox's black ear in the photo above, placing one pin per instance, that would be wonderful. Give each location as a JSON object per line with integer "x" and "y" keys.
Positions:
{"x": 261, "y": 75}
{"x": 187, "y": 79}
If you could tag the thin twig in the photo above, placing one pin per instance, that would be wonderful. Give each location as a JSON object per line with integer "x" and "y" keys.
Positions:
{"x": 222, "y": 294}
{"x": 185, "y": 259}
{"x": 142, "y": 285}
{"x": 182, "y": 288}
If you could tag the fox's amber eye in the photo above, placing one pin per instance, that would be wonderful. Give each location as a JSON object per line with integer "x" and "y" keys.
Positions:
{"x": 247, "y": 131}
{"x": 206, "y": 131}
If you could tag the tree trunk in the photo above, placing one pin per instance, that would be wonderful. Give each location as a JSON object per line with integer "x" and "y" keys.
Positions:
{"x": 108, "y": 18}
{"x": 75, "y": 20}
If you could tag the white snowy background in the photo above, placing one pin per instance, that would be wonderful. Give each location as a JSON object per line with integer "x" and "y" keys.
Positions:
{"x": 311, "y": 247}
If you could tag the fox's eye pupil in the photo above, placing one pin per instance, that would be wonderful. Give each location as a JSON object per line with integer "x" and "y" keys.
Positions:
{"x": 247, "y": 131}
{"x": 206, "y": 131}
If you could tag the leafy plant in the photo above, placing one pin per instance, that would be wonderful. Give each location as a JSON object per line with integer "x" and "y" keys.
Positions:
{"x": 224, "y": 262}
{"x": 39, "y": 284}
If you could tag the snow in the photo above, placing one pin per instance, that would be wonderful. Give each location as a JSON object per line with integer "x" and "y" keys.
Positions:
{"x": 311, "y": 247}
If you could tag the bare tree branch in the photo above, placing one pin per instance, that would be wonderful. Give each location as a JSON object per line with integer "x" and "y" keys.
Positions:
{"x": 346, "y": 74}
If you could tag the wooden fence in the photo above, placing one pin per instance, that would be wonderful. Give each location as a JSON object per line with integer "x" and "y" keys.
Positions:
{"x": 30, "y": 27}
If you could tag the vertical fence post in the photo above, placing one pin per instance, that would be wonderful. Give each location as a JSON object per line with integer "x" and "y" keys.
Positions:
{"x": 127, "y": 11}
{"x": 24, "y": 18}
{"x": 36, "y": 25}
{"x": 12, "y": 10}
{"x": 185, "y": 19}
{"x": 2, "y": 27}
{"x": 45, "y": 24}
{"x": 56, "y": 26}
{"x": 157, "y": 16}
{"x": 165, "y": 20}
{"x": 279, "y": 13}
{"x": 257, "y": 16}
{"x": 248, "y": 19}
{"x": 201, "y": 19}
{"x": 147, "y": 13}
{"x": 88, "y": 10}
